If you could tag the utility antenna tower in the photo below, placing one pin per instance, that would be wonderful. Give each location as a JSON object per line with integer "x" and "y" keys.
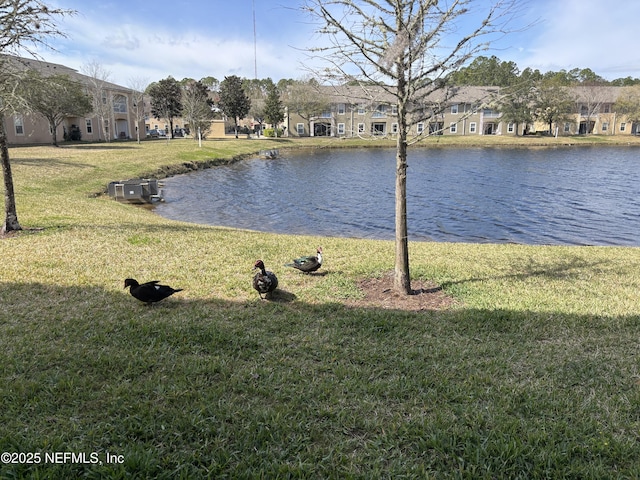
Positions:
{"x": 255, "y": 48}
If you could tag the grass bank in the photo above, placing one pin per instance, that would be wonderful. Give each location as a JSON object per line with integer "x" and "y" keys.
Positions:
{"x": 533, "y": 373}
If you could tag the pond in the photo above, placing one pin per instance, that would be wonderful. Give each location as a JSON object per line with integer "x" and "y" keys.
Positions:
{"x": 554, "y": 196}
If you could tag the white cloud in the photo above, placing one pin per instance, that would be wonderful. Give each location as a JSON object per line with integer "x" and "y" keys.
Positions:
{"x": 586, "y": 34}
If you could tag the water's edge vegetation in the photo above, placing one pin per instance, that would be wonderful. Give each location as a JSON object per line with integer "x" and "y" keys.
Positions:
{"x": 532, "y": 373}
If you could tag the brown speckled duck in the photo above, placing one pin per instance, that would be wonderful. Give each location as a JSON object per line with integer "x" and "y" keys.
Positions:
{"x": 264, "y": 281}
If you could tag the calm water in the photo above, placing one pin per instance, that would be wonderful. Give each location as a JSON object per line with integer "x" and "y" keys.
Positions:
{"x": 569, "y": 196}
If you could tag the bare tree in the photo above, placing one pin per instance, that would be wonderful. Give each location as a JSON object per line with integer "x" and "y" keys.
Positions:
{"x": 197, "y": 108}
{"x": 101, "y": 98}
{"x": 138, "y": 85}
{"x": 306, "y": 99}
{"x": 589, "y": 101}
{"x": 23, "y": 24}
{"x": 406, "y": 47}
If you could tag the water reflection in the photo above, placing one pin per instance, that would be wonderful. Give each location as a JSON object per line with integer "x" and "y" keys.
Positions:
{"x": 574, "y": 196}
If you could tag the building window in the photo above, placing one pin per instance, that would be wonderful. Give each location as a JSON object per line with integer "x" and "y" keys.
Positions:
{"x": 606, "y": 108}
{"x": 567, "y": 127}
{"x": 453, "y": 127}
{"x": 394, "y": 109}
{"x": 361, "y": 128}
{"x": 18, "y": 123}
{"x": 420, "y": 127}
{"x": 341, "y": 109}
{"x": 341, "y": 129}
{"x": 473, "y": 127}
{"x": 623, "y": 127}
{"x": 119, "y": 104}
{"x": 89, "y": 125}
{"x": 380, "y": 111}
{"x": 605, "y": 126}
{"x": 394, "y": 128}
{"x": 361, "y": 110}
{"x": 454, "y": 109}
{"x": 326, "y": 114}
{"x": 511, "y": 127}
{"x": 300, "y": 128}
{"x": 378, "y": 128}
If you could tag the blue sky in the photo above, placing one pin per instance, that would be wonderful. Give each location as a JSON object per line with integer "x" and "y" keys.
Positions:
{"x": 149, "y": 41}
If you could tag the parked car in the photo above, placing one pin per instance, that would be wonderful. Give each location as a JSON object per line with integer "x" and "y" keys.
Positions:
{"x": 156, "y": 133}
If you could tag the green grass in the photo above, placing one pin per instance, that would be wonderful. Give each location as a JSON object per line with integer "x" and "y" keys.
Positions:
{"x": 533, "y": 374}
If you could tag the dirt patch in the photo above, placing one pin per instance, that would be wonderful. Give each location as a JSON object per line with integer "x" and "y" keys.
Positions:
{"x": 24, "y": 231}
{"x": 379, "y": 293}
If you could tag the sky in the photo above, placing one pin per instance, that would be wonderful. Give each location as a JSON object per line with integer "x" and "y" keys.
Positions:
{"x": 143, "y": 42}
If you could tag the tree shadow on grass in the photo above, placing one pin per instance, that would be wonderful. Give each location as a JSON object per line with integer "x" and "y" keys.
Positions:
{"x": 89, "y": 368}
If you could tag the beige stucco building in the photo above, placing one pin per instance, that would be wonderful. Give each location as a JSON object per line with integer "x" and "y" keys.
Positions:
{"x": 370, "y": 112}
{"x": 121, "y": 123}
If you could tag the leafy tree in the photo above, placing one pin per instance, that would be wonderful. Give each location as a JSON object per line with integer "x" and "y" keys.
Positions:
{"x": 212, "y": 83}
{"x": 23, "y": 24}
{"x": 166, "y": 98}
{"x": 487, "y": 72}
{"x": 197, "y": 108}
{"x": 406, "y": 47}
{"x": 628, "y": 103}
{"x": 273, "y": 108}
{"x": 55, "y": 97}
{"x": 586, "y": 76}
{"x": 234, "y": 101}
{"x": 306, "y": 100}
{"x": 552, "y": 103}
{"x": 625, "y": 82}
{"x": 515, "y": 105}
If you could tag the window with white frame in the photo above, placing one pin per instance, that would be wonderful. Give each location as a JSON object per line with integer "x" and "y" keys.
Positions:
{"x": 473, "y": 127}
{"x": 361, "y": 110}
{"x": 378, "y": 128}
{"x": 454, "y": 108}
{"x": 420, "y": 127}
{"x": 89, "y": 125}
{"x": 510, "y": 127}
{"x": 361, "y": 128}
{"x": 453, "y": 127}
{"x": 341, "y": 109}
{"x": 567, "y": 127}
{"x": 18, "y": 123}
{"x": 394, "y": 109}
{"x": 623, "y": 126}
{"x": 300, "y": 128}
{"x": 326, "y": 114}
{"x": 394, "y": 128}
{"x": 605, "y": 126}
{"x": 341, "y": 129}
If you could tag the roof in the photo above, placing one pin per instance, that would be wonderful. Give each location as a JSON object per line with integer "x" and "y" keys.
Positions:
{"x": 371, "y": 94}
{"x": 48, "y": 68}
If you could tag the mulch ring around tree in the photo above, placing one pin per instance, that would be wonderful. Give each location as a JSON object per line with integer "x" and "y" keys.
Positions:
{"x": 380, "y": 293}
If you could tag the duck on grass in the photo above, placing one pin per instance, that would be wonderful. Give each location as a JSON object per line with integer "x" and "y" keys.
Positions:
{"x": 149, "y": 292}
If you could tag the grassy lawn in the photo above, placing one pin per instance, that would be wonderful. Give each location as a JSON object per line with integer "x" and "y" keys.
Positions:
{"x": 533, "y": 373}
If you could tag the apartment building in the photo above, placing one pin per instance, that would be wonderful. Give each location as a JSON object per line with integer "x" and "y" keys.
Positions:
{"x": 468, "y": 110}
{"x": 29, "y": 129}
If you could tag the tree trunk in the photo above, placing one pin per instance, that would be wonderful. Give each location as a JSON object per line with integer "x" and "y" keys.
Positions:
{"x": 402, "y": 280}
{"x": 11, "y": 216}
